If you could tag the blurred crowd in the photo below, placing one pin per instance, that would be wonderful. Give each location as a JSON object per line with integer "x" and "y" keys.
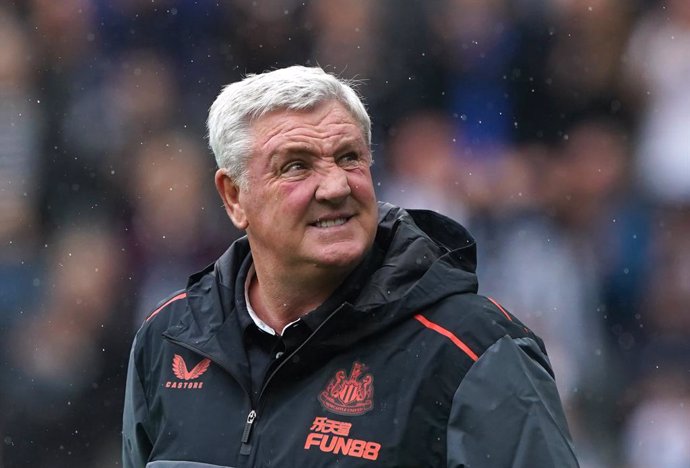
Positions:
{"x": 557, "y": 131}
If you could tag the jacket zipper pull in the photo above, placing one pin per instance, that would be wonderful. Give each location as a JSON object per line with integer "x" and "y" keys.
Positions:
{"x": 246, "y": 448}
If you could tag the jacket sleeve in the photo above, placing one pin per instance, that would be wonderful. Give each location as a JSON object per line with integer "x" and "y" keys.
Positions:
{"x": 507, "y": 412}
{"x": 136, "y": 445}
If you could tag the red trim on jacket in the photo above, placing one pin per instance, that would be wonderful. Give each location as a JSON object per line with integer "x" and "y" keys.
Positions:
{"x": 448, "y": 334}
{"x": 500, "y": 308}
{"x": 168, "y": 302}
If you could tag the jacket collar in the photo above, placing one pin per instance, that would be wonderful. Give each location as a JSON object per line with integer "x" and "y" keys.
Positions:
{"x": 424, "y": 257}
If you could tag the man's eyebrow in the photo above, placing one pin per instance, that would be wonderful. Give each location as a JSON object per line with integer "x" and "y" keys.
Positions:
{"x": 291, "y": 150}
{"x": 279, "y": 154}
{"x": 347, "y": 144}
{"x": 351, "y": 142}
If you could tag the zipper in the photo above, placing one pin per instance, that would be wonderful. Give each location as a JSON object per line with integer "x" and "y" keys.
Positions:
{"x": 246, "y": 447}
{"x": 248, "y": 426}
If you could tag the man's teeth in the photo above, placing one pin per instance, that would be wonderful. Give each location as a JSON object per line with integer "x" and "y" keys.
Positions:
{"x": 326, "y": 223}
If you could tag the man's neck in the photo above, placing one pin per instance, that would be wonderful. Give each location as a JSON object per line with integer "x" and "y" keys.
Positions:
{"x": 279, "y": 301}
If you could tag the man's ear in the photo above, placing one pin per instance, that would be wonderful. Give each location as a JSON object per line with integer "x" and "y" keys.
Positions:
{"x": 230, "y": 194}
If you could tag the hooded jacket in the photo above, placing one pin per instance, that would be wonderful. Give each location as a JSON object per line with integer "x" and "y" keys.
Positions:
{"x": 416, "y": 371}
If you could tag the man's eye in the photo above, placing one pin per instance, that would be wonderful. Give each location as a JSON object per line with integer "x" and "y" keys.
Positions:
{"x": 294, "y": 166}
{"x": 349, "y": 158}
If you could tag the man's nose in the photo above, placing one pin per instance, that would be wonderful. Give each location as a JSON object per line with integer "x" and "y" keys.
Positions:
{"x": 333, "y": 185}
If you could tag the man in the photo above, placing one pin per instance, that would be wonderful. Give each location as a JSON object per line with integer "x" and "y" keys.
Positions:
{"x": 339, "y": 330}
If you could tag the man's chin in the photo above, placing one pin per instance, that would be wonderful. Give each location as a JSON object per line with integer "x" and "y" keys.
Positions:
{"x": 343, "y": 258}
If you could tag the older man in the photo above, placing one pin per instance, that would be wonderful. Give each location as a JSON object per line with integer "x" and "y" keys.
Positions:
{"x": 339, "y": 330}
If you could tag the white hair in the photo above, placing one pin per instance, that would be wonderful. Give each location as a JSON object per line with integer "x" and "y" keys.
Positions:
{"x": 292, "y": 88}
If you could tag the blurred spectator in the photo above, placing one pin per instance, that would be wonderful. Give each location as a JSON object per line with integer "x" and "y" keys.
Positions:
{"x": 422, "y": 169}
{"x": 136, "y": 99}
{"x": 175, "y": 226}
{"x": 655, "y": 423}
{"x": 65, "y": 34}
{"x": 340, "y": 33}
{"x": 20, "y": 127}
{"x": 658, "y": 64}
{"x": 64, "y": 360}
{"x": 584, "y": 65}
{"x": 268, "y": 34}
{"x": 670, "y": 284}
{"x": 568, "y": 64}
{"x": 68, "y": 65}
{"x": 476, "y": 42}
{"x": 655, "y": 433}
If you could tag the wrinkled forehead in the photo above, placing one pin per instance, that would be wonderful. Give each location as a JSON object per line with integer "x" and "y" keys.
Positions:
{"x": 326, "y": 124}
{"x": 305, "y": 108}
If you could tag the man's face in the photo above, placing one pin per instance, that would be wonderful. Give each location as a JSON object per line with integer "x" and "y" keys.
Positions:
{"x": 310, "y": 199}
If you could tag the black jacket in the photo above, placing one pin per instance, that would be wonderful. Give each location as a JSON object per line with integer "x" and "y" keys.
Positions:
{"x": 416, "y": 371}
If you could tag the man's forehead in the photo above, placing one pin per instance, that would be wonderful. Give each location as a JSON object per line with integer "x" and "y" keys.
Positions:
{"x": 302, "y": 128}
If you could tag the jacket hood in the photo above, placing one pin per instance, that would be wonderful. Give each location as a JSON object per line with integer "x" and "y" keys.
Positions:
{"x": 427, "y": 257}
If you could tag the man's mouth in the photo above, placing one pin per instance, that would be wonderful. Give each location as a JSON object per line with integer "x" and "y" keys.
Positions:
{"x": 326, "y": 223}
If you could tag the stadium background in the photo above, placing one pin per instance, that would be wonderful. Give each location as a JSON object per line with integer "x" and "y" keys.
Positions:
{"x": 558, "y": 131}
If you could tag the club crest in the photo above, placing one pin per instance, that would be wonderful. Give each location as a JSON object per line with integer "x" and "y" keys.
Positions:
{"x": 350, "y": 395}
